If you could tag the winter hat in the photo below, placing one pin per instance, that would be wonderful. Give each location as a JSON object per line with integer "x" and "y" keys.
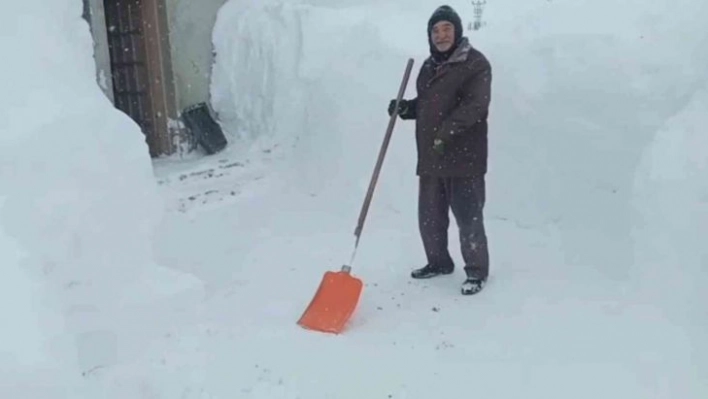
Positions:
{"x": 446, "y": 13}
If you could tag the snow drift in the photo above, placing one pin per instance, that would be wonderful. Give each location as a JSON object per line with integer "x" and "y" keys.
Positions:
{"x": 80, "y": 205}
{"x": 312, "y": 88}
{"x": 33, "y": 346}
{"x": 671, "y": 222}
{"x": 576, "y": 100}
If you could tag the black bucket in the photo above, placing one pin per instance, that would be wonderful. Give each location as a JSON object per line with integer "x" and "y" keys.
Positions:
{"x": 205, "y": 130}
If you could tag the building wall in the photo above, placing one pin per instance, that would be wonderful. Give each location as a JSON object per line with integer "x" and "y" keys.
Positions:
{"x": 191, "y": 23}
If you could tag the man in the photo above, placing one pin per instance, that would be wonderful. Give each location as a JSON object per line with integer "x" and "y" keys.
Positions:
{"x": 454, "y": 89}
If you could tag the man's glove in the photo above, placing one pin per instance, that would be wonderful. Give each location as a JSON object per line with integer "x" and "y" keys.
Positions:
{"x": 406, "y": 108}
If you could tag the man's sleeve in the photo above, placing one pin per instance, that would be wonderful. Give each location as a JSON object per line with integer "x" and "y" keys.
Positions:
{"x": 474, "y": 104}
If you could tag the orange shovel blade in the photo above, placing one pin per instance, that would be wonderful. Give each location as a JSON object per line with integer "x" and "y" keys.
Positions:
{"x": 333, "y": 303}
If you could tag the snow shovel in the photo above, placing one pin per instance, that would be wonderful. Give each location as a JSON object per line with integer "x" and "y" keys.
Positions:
{"x": 339, "y": 292}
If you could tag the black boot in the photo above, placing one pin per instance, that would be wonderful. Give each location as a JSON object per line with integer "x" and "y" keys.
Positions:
{"x": 473, "y": 285}
{"x": 429, "y": 271}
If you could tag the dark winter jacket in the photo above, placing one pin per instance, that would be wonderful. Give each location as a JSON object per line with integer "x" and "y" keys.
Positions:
{"x": 452, "y": 105}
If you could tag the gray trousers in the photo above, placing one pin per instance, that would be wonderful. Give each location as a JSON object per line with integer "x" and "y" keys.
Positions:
{"x": 465, "y": 196}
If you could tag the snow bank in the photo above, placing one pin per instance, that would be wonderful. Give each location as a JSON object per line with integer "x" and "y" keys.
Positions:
{"x": 671, "y": 225}
{"x": 80, "y": 196}
{"x": 310, "y": 85}
{"x": 33, "y": 346}
{"x": 579, "y": 89}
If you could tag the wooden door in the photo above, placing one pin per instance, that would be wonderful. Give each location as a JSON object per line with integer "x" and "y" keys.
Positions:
{"x": 126, "y": 43}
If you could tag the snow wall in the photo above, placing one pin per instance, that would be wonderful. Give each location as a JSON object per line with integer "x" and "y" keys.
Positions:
{"x": 78, "y": 207}
{"x": 596, "y": 131}
{"x": 579, "y": 91}
{"x": 671, "y": 225}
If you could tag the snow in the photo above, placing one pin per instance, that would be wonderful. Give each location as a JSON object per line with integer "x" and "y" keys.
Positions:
{"x": 185, "y": 278}
{"x": 671, "y": 215}
{"x": 79, "y": 212}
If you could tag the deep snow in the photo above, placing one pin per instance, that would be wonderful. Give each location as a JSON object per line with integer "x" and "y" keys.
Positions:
{"x": 596, "y": 210}
{"x": 78, "y": 213}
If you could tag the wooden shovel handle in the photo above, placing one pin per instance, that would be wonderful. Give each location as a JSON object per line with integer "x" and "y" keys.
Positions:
{"x": 382, "y": 152}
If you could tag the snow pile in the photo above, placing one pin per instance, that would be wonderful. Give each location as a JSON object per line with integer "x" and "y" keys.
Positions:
{"x": 80, "y": 196}
{"x": 312, "y": 84}
{"x": 671, "y": 199}
{"x": 571, "y": 110}
{"x": 579, "y": 90}
{"x": 581, "y": 87}
{"x": 33, "y": 346}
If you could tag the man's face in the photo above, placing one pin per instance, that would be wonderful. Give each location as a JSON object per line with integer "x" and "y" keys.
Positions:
{"x": 443, "y": 35}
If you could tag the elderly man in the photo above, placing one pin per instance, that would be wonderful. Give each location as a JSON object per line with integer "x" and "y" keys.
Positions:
{"x": 450, "y": 111}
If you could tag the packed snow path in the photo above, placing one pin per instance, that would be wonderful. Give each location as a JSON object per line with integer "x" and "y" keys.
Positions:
{"x": 540, "y": 327}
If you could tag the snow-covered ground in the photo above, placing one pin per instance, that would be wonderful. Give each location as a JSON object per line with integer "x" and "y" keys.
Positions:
{"x": 188, "y": 285}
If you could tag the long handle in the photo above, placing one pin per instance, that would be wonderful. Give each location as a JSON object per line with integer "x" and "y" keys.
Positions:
{"x": 382, "y": 154}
